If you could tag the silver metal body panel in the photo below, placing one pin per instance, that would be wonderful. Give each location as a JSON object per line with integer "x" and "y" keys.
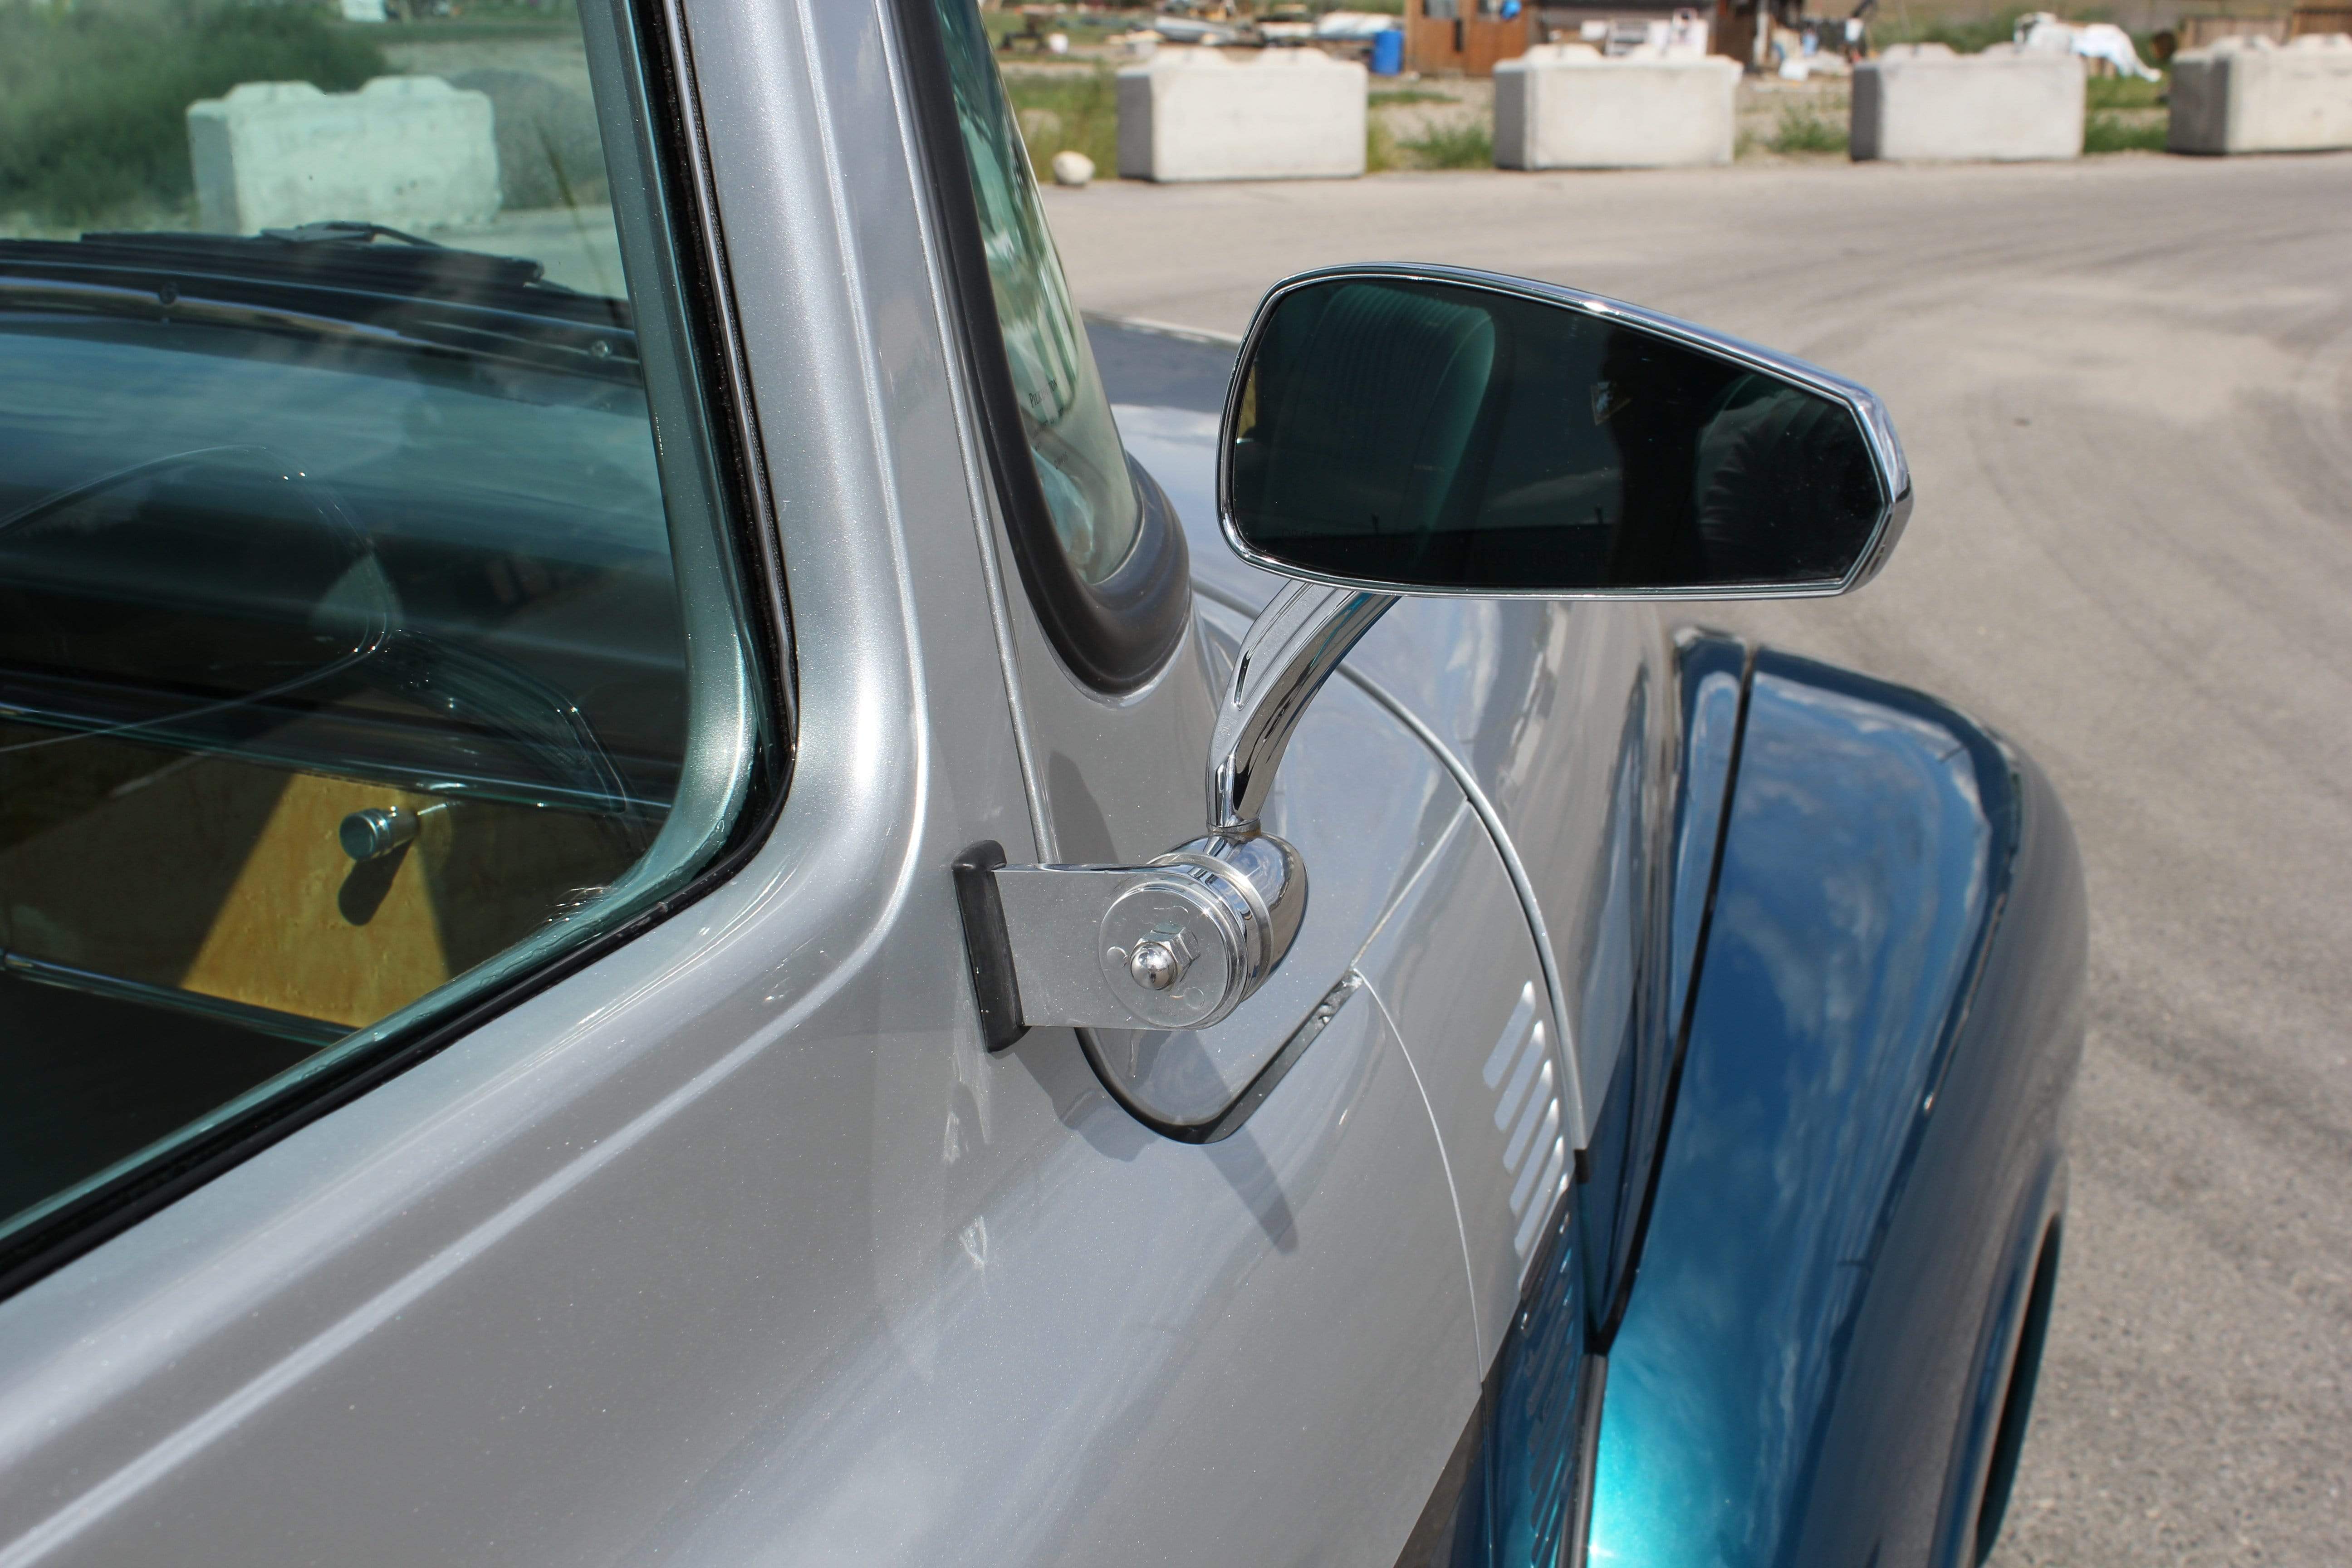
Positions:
{"x": 1535, "y": 704}
{"x": 1458, "y": 977}
{"x": 737, "y": 1246}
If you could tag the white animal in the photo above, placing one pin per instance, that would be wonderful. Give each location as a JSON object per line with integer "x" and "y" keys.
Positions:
{"x": 2092, "y": 41}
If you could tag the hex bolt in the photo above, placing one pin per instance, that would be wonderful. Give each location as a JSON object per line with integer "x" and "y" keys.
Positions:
{"x": 1155, "y": 966}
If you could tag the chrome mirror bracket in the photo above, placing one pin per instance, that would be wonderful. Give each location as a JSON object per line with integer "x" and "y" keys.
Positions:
{"x": 1182, "y": 941}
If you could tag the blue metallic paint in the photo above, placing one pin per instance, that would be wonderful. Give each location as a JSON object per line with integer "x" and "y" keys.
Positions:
{"x": 1525, "y": 1471}
{"x": 1512, "y": 1496}
{"x": 1812, "y": 1340}
{"x": 1864, "y": 1145}
{"x": 1711, "y": 674}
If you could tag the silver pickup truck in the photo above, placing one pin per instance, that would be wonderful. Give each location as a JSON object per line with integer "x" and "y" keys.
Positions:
{"x": 687, "y": 878}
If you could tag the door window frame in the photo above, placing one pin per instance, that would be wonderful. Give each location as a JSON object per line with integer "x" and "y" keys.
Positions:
{"x": 680, "y": 206}
{"x": 1116, "y": 636}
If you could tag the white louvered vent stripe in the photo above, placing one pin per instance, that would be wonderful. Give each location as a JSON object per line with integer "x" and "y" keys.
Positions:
{"x": 1554, "y": 1180}
{"x": 1522, "y": 1076}
{"x": 1515, "y": 1033}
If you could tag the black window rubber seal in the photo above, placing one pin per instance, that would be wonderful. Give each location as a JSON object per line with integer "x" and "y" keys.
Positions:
{"x": 1115, "y": 635}
{"x": 675, "y": 129}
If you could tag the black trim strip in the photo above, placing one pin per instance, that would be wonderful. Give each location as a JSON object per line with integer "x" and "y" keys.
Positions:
{"x": 1114, "y": 635}
{"x": 987, "y": 948}
{"x": 96, "y": 1218}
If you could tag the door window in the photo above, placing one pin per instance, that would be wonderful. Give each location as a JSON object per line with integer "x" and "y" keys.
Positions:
{"x": 362, "y": 649}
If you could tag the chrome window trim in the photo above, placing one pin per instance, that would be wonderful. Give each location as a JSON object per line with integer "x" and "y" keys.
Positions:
{"x": 1892, "y": 471}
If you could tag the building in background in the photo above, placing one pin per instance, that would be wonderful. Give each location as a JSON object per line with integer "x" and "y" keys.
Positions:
{"x": 1466, "y": 36}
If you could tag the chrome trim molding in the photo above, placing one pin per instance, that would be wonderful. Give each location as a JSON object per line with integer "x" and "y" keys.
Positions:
{"x": 1289, "y": 651}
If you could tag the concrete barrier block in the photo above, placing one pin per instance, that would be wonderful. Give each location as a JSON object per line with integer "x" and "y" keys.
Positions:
{"x": 1922, "y": 103}
{"x": 2247, "y": 95}
{"x": 405, "y": 151}
{"x": 1567, "y": 106}
{"x": 1198, "y": 114}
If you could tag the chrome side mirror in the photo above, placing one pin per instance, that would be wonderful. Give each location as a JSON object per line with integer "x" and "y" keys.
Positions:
{"x": 1399, "y": 430}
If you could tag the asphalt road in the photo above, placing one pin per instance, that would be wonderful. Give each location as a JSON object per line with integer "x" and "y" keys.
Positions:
{"x": 2125, "y": 389}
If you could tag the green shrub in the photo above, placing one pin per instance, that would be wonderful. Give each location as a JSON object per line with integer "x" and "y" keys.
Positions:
{"x": 1457, "y": 146}
{"x": 93, "y": 105}
{"x": 1962, "y": 35}
{"x": 1803, "y": 131}
{"x": 2106, "y": 132}
{"x": 2123, "y": 92}
{"x": 1073, "y": 110}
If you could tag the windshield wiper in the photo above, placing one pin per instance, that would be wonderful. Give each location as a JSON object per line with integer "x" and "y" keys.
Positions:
{"x": 343, "y": 252}
{"x": 331, "y": 279}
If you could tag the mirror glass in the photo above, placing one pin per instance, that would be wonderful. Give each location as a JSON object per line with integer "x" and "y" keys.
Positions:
{"x": 1437, "y": 435}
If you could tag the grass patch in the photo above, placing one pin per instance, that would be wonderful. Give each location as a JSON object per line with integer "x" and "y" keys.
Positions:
{"x": 2123, "y": 92}
{"x": 1068, "y": 111}
{"x": 1470, "y": 146}
{"x": 1803, "y": 131}
{"x": 1961, "y": 34}
{"x": 2108, "y": 132}
{"x": 1077, "y": 27}
{"x": 1383, "y": 97}
{"x": 93, "y": 105}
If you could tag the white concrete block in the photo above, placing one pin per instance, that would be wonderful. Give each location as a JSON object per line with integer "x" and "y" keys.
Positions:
{"x": 1923, "y": 102}
{"x": 1202, "y": 114}
{"x": 406, "y": 152}
{"x": 1566, "y": 106}
{"x": 2247, "y": 95}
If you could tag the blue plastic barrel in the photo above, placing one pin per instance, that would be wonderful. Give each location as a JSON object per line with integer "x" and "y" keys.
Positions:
{"x": 1387, "y": 52}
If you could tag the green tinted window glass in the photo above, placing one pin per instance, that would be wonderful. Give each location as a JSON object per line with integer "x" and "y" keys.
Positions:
{"x": 1063, "y": 411}
{"x": 359, "y": 645}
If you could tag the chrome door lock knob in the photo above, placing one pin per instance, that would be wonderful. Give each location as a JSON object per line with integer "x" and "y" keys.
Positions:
{"x": 1155, "y": 966}
{"x": 376, "y": 831}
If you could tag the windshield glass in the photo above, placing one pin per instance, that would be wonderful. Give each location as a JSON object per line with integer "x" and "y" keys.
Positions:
{"x": 1073, "y": 442}
{"x": 359, "y": 645}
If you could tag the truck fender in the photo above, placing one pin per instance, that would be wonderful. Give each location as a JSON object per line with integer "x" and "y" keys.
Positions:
{"x": 1863, "y": 1154}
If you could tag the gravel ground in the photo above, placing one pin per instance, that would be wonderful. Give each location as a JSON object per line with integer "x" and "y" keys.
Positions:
{"x": 2126, "y": 388}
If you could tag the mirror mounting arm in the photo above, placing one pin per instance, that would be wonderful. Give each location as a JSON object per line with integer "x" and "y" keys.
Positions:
{"x": 1289, "y": 651}
{"x": 1182, "y": 941}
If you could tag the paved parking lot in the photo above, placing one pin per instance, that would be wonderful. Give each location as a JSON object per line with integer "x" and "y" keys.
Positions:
{"x": 2126, "y": 388}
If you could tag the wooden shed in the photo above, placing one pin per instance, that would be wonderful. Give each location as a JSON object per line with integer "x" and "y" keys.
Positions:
{"x": 1465, "y": 35}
